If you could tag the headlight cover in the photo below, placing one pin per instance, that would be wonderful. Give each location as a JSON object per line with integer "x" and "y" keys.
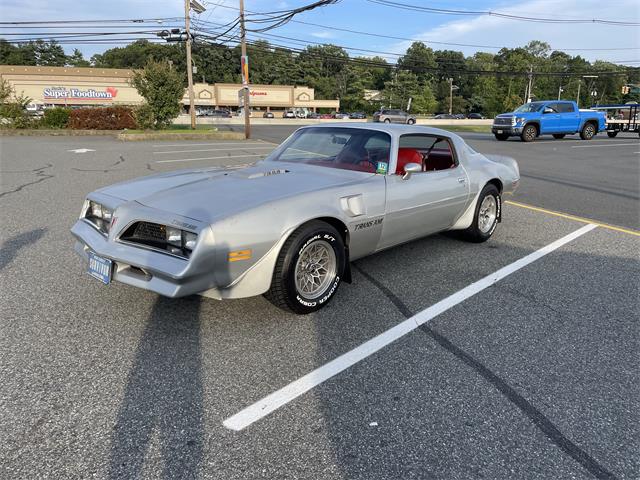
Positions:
{"x": 520, "y": 120}
{"x": 98, "y": 215}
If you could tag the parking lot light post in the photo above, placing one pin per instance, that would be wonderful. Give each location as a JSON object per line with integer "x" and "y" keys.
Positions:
{"x": 245, "y": 73}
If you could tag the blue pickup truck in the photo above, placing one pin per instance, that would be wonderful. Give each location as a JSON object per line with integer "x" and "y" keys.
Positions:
{"x": 551, "y": 117}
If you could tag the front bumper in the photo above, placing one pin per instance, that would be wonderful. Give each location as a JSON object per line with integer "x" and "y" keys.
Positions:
{"x": 511, "y": 130}
{"x": 163, "y": 274}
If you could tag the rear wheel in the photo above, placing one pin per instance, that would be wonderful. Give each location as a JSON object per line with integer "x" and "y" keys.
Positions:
{"x": 559, "y": 136}
{"x": 501, "y": 136}
{"x": 411, "y": 121}
{"x": 485, "y": 220}
{"x": 588, "y": 131}
{"x": 612, "y": 134}
{"x": 529, "y": 133}
{"x": 309, "y": 269}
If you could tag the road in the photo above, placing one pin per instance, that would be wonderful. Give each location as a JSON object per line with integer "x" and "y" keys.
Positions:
{"x": 535, "y": 376}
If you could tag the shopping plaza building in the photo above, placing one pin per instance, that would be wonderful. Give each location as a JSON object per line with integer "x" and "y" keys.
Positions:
{"x": 79, "y": 87}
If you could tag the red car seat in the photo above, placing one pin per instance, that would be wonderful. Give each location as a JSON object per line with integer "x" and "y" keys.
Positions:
{"x": 407, "y": 155}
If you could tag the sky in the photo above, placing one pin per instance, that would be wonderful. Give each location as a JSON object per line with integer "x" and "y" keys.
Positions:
{"x": 363, "y": 15}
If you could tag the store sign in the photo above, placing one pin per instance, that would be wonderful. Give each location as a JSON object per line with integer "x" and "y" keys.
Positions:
{"x": 60, "y": 93}
{"x": 258, "y": 93}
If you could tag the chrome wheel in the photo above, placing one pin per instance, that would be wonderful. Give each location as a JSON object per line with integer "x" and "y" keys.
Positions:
{"x": 487, "y": 213}
{"x": 315, "y": 269}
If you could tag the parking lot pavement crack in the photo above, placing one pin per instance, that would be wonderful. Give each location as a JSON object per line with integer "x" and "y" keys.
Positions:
{"x": 530, "y": 298}
{"x": 106, "y": 170}
{"x": 529, "y": 410}
{"x": 41, "y": 176}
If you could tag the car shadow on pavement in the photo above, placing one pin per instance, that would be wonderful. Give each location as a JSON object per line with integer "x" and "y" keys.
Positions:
{"x": 161, "y": 412}
{"x": 13, "y": 245}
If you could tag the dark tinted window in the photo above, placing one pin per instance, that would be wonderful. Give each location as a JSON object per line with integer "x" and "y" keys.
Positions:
{"x": 565, "y": 107}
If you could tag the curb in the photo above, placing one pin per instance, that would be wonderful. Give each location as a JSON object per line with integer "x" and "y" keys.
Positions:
{"x": 135, "y": 137}
{"x": 54, "y": 133}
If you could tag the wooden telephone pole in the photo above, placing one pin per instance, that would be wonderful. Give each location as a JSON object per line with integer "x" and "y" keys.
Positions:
{"x": 192, "y": 110}
{"x": 244, "y": 64}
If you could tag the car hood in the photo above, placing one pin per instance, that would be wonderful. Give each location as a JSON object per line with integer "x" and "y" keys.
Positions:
{"x": 210, "y": 194}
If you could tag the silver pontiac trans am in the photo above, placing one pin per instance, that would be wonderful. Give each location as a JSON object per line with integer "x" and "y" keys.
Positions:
{"x": 289, "y": 226}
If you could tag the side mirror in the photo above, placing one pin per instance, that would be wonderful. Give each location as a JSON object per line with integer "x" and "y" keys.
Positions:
{"x": 548, "y": 110}
{"x": 410, "y": 168}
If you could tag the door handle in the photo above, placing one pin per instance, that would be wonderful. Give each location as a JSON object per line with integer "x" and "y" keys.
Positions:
{"x": 461, "y": 180}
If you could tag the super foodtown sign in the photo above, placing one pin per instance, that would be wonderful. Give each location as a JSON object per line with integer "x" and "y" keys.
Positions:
{"x": 57, "y": 93}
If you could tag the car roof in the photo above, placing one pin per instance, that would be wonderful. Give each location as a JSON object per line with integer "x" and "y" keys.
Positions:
{"x": 393, "y": 129}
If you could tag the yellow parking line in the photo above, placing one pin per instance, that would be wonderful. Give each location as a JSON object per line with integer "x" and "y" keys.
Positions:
{"x": 573, "y": 217}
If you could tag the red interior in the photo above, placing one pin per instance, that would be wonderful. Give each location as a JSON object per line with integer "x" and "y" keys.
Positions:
{"x": 407, "y": 155}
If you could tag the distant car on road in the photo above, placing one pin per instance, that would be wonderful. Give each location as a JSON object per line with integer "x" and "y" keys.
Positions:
{"x": 288, "y": 114}
{"x": 267, "y": 115}
{"x": 475, "y": 116}
{"x": 340, "y": 115}
{"x": 215, "y": 113}
{"x": 550, "y": 117}
{"x": 444, "y": 116}
{"x": 358, "y": 116}
{"x": 394, "y": 116}
{"x": 325, "y": 116}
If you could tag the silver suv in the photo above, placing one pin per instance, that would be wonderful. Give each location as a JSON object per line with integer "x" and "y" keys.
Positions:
{"x": 394, "y": 116}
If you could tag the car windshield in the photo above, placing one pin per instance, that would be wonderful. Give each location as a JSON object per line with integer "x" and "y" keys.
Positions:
{"x": 356, "y": 149}
{"x": 529, "y": 107}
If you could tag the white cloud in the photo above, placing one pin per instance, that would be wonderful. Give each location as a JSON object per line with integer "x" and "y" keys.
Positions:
{"x": 322, "y": 34}
{"x": 500, "y": 32}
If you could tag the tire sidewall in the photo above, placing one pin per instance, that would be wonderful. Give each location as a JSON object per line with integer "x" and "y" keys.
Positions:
{"x": 524, "y": 137}
{"x": 493, "y": 191}
{"x": 585, "y": 129}
{"x": 308, "y": 237}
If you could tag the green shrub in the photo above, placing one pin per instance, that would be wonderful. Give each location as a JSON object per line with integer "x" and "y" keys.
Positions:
{"x": 13, "y": 115}
{"x": 56, "y": 117}
{"x": 144, "y": 117}
{"x": 109, "y": 118}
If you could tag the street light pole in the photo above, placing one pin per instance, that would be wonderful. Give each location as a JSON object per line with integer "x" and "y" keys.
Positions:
{"x": 244, "y": 64}
{"x": 192, "y": 110}
{"x": 450, "y": 96}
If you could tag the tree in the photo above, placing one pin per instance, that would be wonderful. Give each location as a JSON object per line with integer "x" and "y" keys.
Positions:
{"x": 163, "y": 88}
{"x": 420, "y": 60}
{"x": 76, "y": 59}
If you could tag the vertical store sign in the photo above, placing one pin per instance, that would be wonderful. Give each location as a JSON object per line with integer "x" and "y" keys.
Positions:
{"x": 244, "y": 66}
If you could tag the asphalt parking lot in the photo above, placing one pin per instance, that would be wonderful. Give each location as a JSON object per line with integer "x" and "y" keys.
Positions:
{"x": 535, "y": 376}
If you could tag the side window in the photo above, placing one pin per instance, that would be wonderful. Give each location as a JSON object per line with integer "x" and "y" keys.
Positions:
{"x": 378, "y": 147}
{"x": 553, "y": 106}
{"x": 432, "y": 152}
{"x": 566, "y": 107}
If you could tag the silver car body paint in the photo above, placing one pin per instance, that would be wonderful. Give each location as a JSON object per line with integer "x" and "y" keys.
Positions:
{"x": 257, "y": 207}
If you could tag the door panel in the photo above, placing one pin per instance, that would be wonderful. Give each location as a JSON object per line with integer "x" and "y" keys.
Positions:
{"x": 426, "y": 203}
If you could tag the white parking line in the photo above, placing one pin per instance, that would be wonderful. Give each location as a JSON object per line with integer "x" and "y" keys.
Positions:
{"x": 272, "y": 402}
{"x": 270, "y": 147}
{"x": 160, "y": 145}
{"x": 630, "y": 144}
{"x": 212, "y": 158}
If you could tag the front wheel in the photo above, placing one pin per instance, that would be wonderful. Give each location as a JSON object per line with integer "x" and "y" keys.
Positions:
{"x": 387, "y": 120}
{"x": 559, "y": 136}
{"x": 612, "y": 134}
{"x": 309, "y": 269}
{"x": 529, "y": 133}
{"x": 588, "y": 131}
{"x": 411, "y": 121}
{"x": 485, "y": 220}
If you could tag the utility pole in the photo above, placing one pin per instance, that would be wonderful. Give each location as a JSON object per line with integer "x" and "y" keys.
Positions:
{"x": 450, "y": 96}
{"x": 580, "y": 84}
{"x": 529, "y": 86}
{"x": 560, "y": 90}
{"x": 192, "y": 110}
{"x": 244, "y": 64}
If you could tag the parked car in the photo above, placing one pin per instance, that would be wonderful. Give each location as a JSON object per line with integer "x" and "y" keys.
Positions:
{"x": 313, "y": 115}
{"x": 550, "y": 117}
{"x": 340, "y": 115}
{"x": 289, "y": 226}
{"x": 444, "y": 116}
{"x": 288, "y": 114}
{"x": 475, "y": 116}
{"x": 325, "y": 116}
{"x": 215, "y": 113}
{"x": 394, "y": 116}
{"x": 267, "y": 115}
{"x": 358, "y": 116}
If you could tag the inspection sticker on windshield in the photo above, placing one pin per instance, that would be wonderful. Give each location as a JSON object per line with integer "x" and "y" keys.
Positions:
{"x": 382, "y": 167}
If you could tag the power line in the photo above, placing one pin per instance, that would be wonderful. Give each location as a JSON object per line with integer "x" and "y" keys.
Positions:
{"x": 443, "y": 11}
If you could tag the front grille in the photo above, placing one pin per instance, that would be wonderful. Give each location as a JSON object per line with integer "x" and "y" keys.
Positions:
{"x": 503, "y": 121}
{"x": 154, "y": 236}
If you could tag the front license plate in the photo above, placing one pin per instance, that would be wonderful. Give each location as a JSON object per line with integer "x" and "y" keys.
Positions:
{"x": 500, "y": 131}
{"x": 100, "y": 268}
